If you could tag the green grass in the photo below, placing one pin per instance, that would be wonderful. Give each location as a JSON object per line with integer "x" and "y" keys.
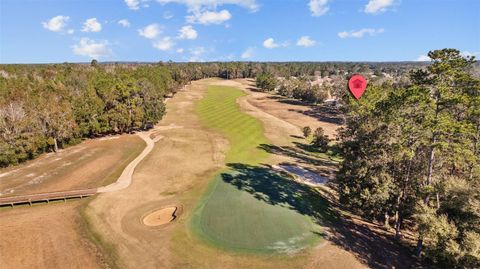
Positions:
{"x": 248, "y": 207}
{"x": 218, "y": 110}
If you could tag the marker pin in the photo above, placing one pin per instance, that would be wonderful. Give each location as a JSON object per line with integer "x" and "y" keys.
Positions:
{"x": 357, "y": 85}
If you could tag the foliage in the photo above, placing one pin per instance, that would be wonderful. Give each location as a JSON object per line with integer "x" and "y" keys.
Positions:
{"x": 418, "y": 145}
{"x": 44, "y": 108}
{"x": 307, "y": 131}
{"x": 266, "y": 82}
{"x": 320, "y": 140}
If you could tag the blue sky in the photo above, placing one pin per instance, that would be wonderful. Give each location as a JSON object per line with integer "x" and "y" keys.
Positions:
{"x": 235, "y": 30}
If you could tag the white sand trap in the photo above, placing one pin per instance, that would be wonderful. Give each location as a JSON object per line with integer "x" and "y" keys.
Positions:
{"x": 303, "y": 174}
{"x": 161, "y": 216}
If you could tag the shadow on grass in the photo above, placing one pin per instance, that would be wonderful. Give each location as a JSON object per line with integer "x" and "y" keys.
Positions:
{"x": 321, "y": 112}
{"x": 271, "y": 187}
{"x": 368, "y": 243}
{"x": 298, "y": 154}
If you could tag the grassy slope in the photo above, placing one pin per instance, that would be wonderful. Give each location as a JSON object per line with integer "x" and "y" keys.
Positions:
{"x": 241, "y": 211}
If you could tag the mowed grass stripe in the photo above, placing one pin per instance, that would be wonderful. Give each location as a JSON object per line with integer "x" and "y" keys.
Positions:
{"x": 236, "y": 218}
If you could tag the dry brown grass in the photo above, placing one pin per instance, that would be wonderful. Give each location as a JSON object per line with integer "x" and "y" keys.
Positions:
{"x": 45, "y": 236}
{"x": 91, "y": 164}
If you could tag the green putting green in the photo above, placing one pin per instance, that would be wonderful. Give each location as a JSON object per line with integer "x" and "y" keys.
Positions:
{"x": 248, "y": 207}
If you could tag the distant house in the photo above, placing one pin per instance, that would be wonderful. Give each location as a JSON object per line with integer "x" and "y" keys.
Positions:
{"x": 331, "y": 102}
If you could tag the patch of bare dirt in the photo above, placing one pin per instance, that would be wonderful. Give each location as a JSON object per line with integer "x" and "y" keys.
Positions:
{"x": 45, "y": 236}
{"x": 160, "y": 216}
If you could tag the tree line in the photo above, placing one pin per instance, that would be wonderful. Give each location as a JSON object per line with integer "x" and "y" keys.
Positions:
{"x": 412, "y": 158}
{"x": 44, "y": 108}
{"x": 47, "y": 107}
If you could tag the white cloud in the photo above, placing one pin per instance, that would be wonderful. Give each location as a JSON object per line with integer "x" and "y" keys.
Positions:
{"x": 91, "y": 25}
{"x": 318, "y": 7}
{"x": 135, "y": 4}
{"x": 92, "y": 49}
{"x": 360, "y": 33}
{"x": 197, "y": 5}
{"x": 269, "y": 43}
{"x": 167, "y": 15}
{"x": 70, "y": 31}
{"x": 150, "y": 31}
{"x": 179, "y": 50}
{"x": 423, "y": 58}
{"x": 187, "y": 32}
{"x": 56, "y": 24}
{"x": 195, "y": 59}
{"x": 164, "y": 44}
{"x": 210, "y": 17}
{"x": 306, "y": 41}
{"x": 124, "y": 23}
{"x": 470, "y": 54}
{"x": 197, "y": 54}
{"x": 377, "y": 6}
{"x": 248, "y": 53}
{"x": 198, "y": 51}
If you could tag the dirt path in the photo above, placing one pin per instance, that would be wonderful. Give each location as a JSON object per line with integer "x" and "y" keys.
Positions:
{"x": 125, "y": 179}
{"x": 73, "y": 168}
{"x": 181, "y": 162}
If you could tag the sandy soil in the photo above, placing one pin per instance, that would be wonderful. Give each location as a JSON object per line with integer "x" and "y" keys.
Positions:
{"x": 160, "y": 217}
{"x": 45, "y": 237}
{"x": 185, "y": 158}
{"x": 73, "y": 168}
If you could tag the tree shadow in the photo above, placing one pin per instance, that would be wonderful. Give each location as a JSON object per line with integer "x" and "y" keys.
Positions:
{"x": 366, "y": 241}
{"x": 321, "y": 112}
{"x": 298, "y": 154}
{"x": 274, "y": 188}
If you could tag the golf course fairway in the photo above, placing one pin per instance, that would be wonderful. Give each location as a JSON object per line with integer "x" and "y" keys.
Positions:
{"x": 248, "y": 207}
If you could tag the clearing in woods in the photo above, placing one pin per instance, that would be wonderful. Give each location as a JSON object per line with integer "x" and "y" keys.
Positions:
{"x": 248, "y": 207}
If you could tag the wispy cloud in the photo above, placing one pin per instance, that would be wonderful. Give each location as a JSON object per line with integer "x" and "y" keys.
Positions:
{"x": 91, "y": 48}
{"x": 361, "y": 33}
{"x": 124, "y": 23}
{"x": 378, "y": 6}
{"x": 187, "y": 32}
{"x": 91, "y": 25}
{"x": 423, "y": 58}
{"x": 209, "y": 17}
{"x": 164, "y": 44}
{"x": 248, "y": 53}
{"x": 136, "y": 4}
{"x": 56, "y": 24}
{"x": 150, "y": 31}
{"x": 197, "y": 5}
{"x": 318, "y": 7}
{"x": 306, "y": 41}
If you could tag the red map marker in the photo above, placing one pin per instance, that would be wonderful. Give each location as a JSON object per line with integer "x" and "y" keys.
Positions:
{"x": 357, "y": 85}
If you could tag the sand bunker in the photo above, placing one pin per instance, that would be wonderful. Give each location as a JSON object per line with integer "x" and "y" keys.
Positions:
{"x": 303, "y": 174}
{"x": 161, "y": 216}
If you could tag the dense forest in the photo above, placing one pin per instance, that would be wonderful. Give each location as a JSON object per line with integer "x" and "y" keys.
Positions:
{"x": 46, "y": 107}
{"x": 412, "y": 158}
